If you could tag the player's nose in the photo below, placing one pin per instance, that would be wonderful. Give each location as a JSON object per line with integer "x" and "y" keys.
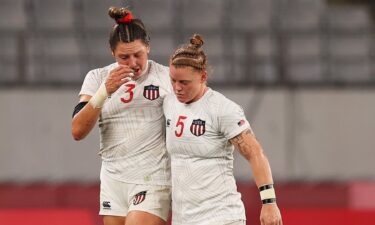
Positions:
{"x": 132, "y": 62}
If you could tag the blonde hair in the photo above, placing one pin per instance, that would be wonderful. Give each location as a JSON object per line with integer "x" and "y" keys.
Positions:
{"x": 191, "y": 55}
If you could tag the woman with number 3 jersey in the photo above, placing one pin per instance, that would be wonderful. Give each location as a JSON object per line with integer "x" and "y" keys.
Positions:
{"x": 203, "y": 127}
{"x": 127, "y": 98}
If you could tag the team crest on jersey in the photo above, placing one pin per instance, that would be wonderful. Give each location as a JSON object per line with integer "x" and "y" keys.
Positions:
{"x": 151, "y": 92}
{"x": 198, "y": 127}
{"x": 140, "y": 197}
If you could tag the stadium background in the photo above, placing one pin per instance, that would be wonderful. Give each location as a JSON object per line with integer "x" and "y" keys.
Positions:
{"x": 303, "y": 70}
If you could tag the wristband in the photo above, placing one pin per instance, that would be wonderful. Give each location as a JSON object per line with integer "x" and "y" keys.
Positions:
{"x": 97, "y": 101}
{"x": 267, "y": 194}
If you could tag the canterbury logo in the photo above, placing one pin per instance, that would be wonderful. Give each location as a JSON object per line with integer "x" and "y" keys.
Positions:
{"x": 106, "y": 205}
{"x": 140, "y": 197}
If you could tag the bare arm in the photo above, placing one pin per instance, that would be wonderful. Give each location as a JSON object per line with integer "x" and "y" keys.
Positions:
{"x": 250, "y": 148}
{"x": 84, "y": 120}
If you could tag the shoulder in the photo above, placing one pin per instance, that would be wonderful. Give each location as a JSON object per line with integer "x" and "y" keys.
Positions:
{"x": 158, "y": 70}
{"x": 102, "y": 72}
{"x": 223, "y": 104}
{"x": 94, "y": 78}
{"x": 169, "y": 99}
{"x": 217, "y": 98}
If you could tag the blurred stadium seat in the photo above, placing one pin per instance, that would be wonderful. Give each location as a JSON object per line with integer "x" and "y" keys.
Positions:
{"x": 264, "y": 41}
{"x": 9, "y": 58}
{"x": 161, "y": 47}
{"x": 303, "y": 58}
{"x": 96, "y": 49}
{"x": 157, "y": 16}
{"x": 51, "y": 15}
{"x": 251, "y": 15}
{"x": 94, "y": 15}
{"x": 54, "y": 58}
{"x": 337, "y": 18}
{"x": 202, "y": 16}
{"x": 301, "y": 15}
{"x": 13, "y": 16}
{"x": 254, "y": 57}
{"x": 350, "y": 58}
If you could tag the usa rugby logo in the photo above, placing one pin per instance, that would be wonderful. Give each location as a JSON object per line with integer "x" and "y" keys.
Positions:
{"x": 140, "y": 197}
{"x": 198, "y": 127}
{"x": 151, "y": 92}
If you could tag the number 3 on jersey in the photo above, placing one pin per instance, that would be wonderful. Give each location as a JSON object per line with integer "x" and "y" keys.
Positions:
{"x": 180, "y": 126}
{"x": 131, "y": 93}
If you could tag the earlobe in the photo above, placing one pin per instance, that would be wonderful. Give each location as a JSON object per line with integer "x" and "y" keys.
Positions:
{"x": 204, "y": 77}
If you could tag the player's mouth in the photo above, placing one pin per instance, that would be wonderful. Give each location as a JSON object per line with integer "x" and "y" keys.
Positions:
{"x": 136, "y": 73}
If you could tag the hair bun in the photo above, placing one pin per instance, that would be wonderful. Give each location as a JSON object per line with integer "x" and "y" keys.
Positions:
{"x": 118, "y": 13}
{"x": 196, "y": 41}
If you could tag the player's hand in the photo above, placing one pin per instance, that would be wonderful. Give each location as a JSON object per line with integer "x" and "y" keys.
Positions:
{"x": 117, "y": 77}
{"x": 270, "y": 215}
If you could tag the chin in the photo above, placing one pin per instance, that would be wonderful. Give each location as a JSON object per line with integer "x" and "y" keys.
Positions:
{"x": 181, "y": 100}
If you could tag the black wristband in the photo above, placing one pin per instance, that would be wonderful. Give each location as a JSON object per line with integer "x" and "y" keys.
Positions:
{"x": 268, "y": 201}
{"x": 265, "y": 187}
{"x": 78, "y": 108}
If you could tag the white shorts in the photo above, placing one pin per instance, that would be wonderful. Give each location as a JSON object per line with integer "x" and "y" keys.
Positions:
{"x": 238, "y": 222}
{"x": 119, "y": 198}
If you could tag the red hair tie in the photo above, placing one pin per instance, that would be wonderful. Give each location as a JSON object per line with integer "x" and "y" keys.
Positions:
{"x": 126, "y": 19}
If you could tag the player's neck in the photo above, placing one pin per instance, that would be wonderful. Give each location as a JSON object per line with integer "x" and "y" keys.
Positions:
{"x": 200, "y": 95}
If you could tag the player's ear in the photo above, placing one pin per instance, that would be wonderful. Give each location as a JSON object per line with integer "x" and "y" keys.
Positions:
{"x": 204, "y": 76}
{"x": 148, "y": 49}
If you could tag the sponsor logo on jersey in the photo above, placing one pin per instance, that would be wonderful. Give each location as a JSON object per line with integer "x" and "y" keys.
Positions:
{"x": 241, "y": 122}
{"x": 151, "y": 92}
{"x": 140, "y": 197}
{"x": 106, "y": 205}
{"x": 198, "y": 127}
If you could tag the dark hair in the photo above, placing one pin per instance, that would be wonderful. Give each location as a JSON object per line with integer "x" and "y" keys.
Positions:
{"x": 190, "y": 55}
{"x": 127, "y": 29}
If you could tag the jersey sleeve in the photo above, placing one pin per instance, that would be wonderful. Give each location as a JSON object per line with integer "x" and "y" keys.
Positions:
{"x": 91, "y": 83}
{"x": 232, "y": 120}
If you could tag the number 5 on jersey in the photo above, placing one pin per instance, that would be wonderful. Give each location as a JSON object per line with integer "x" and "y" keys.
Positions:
{"x": 180, "y": 126}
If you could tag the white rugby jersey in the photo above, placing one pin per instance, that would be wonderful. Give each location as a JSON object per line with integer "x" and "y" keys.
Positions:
{"x": 203, "y": 186}
{"x": 132, "y": 126}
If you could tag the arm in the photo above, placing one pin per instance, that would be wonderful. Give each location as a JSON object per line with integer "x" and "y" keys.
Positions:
{"x": 250, "y": 148}
{"x": 85, "y": 119}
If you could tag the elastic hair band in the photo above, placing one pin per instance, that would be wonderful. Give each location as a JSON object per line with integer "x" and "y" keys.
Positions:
{"x": 126, "y": 19}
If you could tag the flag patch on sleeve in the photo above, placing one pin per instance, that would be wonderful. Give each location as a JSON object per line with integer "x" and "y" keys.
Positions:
{"x": 241, "y": 122}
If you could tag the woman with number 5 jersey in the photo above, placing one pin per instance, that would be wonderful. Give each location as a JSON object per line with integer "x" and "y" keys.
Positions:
{"x": 203, "y": 127}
